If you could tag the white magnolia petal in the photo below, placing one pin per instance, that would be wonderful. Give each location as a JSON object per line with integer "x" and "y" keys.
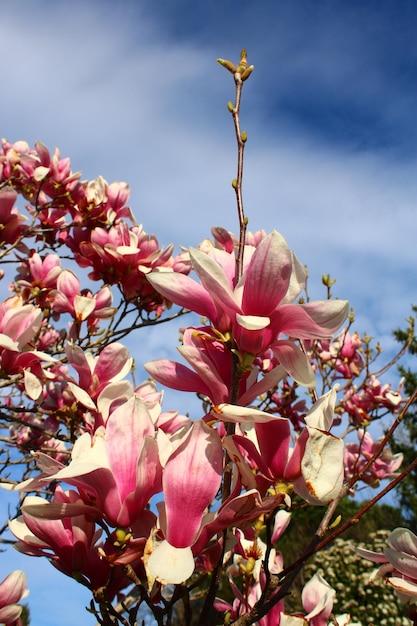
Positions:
{"x": 9, "y": 344}
{"x": 33, "y": 385}
{"x": 404, "y": 587}
{"x": 322, "y": 412}
{"x": 82, "y": 396}
{"x": 83, "y": 307}
{"x": 234, "y": 413}
{"x": 252, "y": 322}
{"x": 40, "y": 173}
{"x": 321, "y": 468}
{"x": 170, "y": 565}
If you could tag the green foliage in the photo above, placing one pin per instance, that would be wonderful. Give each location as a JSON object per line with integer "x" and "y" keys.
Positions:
{"x": 25, "y": 615}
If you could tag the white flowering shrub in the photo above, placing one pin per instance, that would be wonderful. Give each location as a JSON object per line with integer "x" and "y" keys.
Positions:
{"x": 372, "y": 603}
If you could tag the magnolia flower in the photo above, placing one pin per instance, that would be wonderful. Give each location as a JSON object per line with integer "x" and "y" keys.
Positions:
{"x": 358, "y": 454}
{"x": 258, "y": 309}
{"x": 12, "y": 222}
{"x": 191, "y": 479}
{"x": 118, "y": 468}
{"x": 399, "y": 560}
{"x": 317, "y": 598}
{"x": 81, "y": 305}
{"x": 12, "y": 590}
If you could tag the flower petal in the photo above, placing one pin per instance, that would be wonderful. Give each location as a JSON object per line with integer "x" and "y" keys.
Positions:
{"x": 170, "y": 565}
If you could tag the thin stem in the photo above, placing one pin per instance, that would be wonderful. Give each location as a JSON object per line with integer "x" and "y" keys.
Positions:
{"x": 237, "y": 183}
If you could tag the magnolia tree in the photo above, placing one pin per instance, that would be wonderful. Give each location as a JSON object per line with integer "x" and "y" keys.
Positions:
{"x": 144, "y": 506}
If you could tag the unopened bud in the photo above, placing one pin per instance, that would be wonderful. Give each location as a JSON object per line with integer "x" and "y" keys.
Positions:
{"x": 230, "y": 107}
{"x": 248, "y": 71}
{"x": 327, "y": 281}
{"x": 228, "y": 65}
{"x": 244, "y": 137}
{"x": 336, "y": 522}
{"x": 243, "y": 63}
{"x": 234, "y": 183}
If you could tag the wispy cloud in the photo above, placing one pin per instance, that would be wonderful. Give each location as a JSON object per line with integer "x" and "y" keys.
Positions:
{"x": 131, "y": 91}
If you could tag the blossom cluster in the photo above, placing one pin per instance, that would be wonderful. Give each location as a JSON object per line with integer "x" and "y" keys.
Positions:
{"x": 136, "y": 492}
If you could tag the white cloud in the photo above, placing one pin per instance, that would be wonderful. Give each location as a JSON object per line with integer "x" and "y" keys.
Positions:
{"x": 125, "y": 99}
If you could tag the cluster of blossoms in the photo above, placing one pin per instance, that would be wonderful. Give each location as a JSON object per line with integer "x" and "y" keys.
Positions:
{"x": 357, "y": 455}
{"x": 90, "y": 217}
{"x": 156, "y": 496}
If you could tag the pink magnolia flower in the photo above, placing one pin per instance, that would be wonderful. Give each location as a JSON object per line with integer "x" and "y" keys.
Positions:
{"x": 118, "y": 468}
{"x": 249, "y": 555}
{"x": 81, "y": 304}
{"x": 123, "y": 255}
{"x": 358, "y": 454}
{"x": 12, "y": 223}
{"x": 226, "y": 240}
{"x": 102, "y": 204}
{"x": 32, "y": 437}
{"x": 100, "y": 387}
{"x": 212, "y": 363}
{"x": 399, "y": 561}
{"x": 64, "y": 531}
{"x": 343, "y": 354}
{"x": 317, "y": 598}
{"x": 19, "y": 326}
{"x": 257, "y": 310}
{"x": 263, "y": 455}
{"x": 38, "y": 276}
{"x": 191, "y": 479}
{"x": 12, "y": 590}
{"x": 362, "y": 405}
{"x": 17, "y": 162}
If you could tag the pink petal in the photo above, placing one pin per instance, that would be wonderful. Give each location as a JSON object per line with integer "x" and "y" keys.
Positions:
{"x": 207, "y": 372}
{"x": 114, "y": 361}
{"x": 405, "y": 587}
{"x": 126, "y": 429}
{"x": 176, "y": 376}
{"x": 312, "y": 320}
{"x": 320, "y": 474}
{"x": 214, "y": 280}
{"x": 9, "y": 614}
{"x": 183, "y": 291}
{"x": 295, "y": 362}
{"x": 191, "y": 479}
{"x": 321, "y": 414}
{"x": 274, "y": 440}
{"x": 68, "y": 284}
{"x": 267, "y": 278}
{"x": 240, "y": 414}
{"x": 404, "y": 563}
{"x": 403, "y": 540}
{"x": 12, "y": 587}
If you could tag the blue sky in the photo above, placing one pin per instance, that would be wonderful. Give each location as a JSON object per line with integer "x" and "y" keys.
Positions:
{"x": 131, "y": 91}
